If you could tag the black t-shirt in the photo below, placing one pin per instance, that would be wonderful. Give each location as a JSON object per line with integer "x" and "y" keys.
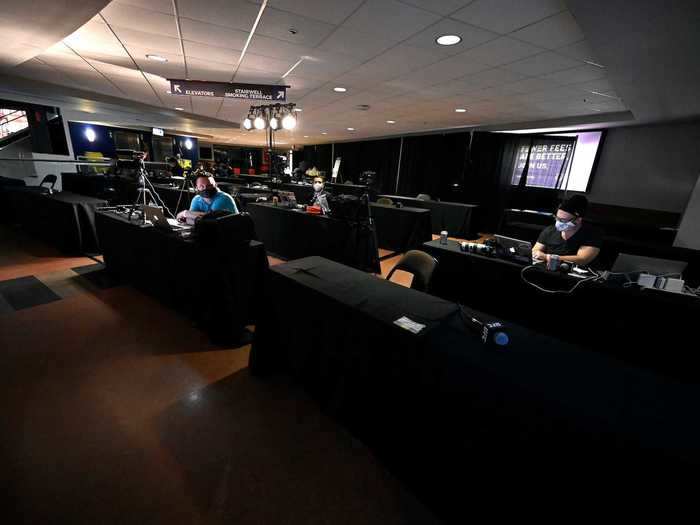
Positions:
{"x": 587, "y": 235}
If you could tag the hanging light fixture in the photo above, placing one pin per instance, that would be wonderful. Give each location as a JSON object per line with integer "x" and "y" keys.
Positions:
{"x": 274, "y": 117}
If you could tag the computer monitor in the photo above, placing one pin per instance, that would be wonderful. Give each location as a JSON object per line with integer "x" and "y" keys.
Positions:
{"x": 516, "y": 249}
{"x": 628, "y": 263}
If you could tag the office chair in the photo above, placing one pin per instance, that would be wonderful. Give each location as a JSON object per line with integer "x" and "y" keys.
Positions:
{"x": 49, "y": 179}
{"x": 385, "y": 201}
{"x": 423, "y": 197}
{"x": 421, "y": 265}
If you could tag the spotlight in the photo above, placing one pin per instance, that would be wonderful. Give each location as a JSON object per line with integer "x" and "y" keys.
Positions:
{"x": 274, "y": 122}
{"x": 289, "y": 122}
{"x": 259, "y": 122}
{"x": 188, "y": 144}
{"x": 90, "y": 135}
{"x": 248, "y": 122}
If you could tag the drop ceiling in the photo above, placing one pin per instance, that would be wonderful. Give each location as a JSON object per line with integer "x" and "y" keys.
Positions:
{"x": 518, "y": 61}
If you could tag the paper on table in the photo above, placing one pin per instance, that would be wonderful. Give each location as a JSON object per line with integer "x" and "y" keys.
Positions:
{"x": 408, "y": 324}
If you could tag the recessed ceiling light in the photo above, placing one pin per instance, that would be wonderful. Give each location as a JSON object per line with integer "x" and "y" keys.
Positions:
{"x": 448, "y": 40}
{"x": 391, "y": 122}
{"x": 156, "y": 58}
{"x": 180, "y": 109}
{"x": 351, "y": 129}
{"x": 169, "y": 92}
{"x": 324, "y": 133}
{"x": 298, "y": 110}
{"x": 340, "y": 89}
{"x": 306, "y": 136}
{"x": 460, "y": 110}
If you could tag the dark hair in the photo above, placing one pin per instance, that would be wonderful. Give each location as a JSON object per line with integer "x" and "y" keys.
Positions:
{"x": 575, "y": 205}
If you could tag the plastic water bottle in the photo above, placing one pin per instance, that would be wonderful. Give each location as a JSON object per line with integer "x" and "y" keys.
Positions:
{"x": 443, "y": 237}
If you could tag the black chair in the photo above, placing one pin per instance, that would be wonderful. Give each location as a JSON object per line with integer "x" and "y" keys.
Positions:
{"x": 423, "y": 197}
{"x": 50, "y": 179}
{"x": 421, "y": 265}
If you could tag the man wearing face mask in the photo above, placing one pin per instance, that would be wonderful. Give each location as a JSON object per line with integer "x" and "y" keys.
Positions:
{"x": 320, "y": 197}
{"x": 209, "y": 198}
{"x": 569, "y": 238}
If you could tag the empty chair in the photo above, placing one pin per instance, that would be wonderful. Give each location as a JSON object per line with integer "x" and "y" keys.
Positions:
{"x": 385, "y": 201}
{"x": 49, "y": 180}
{"x": 423, "y": 197}
{"x": 421, "y": 265}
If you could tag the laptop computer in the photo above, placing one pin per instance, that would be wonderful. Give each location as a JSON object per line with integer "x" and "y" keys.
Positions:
{"x": 156, "y": 216}
{"x": 513, "y": 248}
{"x": 628, "y": 263}
{"x": 287, "y": 198}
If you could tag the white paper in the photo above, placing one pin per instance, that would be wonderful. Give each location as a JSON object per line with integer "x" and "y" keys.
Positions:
{"x": 408, "y": 324}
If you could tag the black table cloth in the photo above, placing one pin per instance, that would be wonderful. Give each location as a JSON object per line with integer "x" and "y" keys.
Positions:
{"x": 304, "y": 192}
{"x": 451, "y": 416}
{"x": 454, "y": 217}
{"x": 401, "y": 229}
{"x": 65, "y": 219}
{"x": 651, "y": 328}
{"x": 291, "y": 234}
{"x": 219, "y": 286}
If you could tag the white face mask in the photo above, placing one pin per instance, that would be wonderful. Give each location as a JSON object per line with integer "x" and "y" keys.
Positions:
{"x": 318, "y": 186}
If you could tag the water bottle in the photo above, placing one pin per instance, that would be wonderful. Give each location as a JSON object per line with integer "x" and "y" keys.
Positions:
{"x": 443, "y": 237}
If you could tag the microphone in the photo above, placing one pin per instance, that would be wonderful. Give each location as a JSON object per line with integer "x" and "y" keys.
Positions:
{"x": 491, "y": 332}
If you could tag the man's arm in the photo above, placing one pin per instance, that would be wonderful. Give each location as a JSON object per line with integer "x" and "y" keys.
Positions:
{"x": 584, "y": 256}
{"x": 185, "y": 215}
{"x": 538, "y": 252}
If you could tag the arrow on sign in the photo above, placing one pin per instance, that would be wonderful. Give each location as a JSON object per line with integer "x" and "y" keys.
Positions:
{"x": 176, "y": 88}
{"x": 280, "y": 95}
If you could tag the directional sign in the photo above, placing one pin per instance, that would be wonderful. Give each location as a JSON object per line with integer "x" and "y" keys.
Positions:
{"x": 201, "y": 88}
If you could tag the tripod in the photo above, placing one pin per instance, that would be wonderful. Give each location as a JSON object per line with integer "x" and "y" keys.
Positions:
{"x": 145, "y": 191}
{"x": 186, "y": 182}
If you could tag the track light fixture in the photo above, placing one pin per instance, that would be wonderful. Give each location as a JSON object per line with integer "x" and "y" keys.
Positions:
{"x": 273, "y": 117}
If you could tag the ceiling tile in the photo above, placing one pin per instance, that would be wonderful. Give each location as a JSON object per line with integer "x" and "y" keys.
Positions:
{"x": 580, "y": 50}
{"x": 213, "y": 35}
{"x": 501, "y": 51}
{"x": 489, "y": 78}
{"x": 154, "y": 43}
{"x": 471, "y": 36}
{"x": 576, "y": 75}
{"x": 324, "y": 66}
{"x": 553, "y": 32}
{"x": 527, "y": 85}
{"x": 280, "y": 49}
{"x": 309, "y": 32}
{"x": 138, "y": 19}
{"x": 211, "y": 53}
{"x": 329, "y": 11}
{"x": 353, "y": 43}
{"x": 236, "y": 14}
{"x": 390, "y": 18}
{"x": 161, "y": 6}
{"x": 441, "y": 7}
{"x": 547, "y": 62}
{"x": 271, "y": 66}
{"x": 208, "y": 70}
{"x": 505, "y": 16}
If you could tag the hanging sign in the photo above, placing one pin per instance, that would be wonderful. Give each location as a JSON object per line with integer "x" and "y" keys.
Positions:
{"x": 202, "y": 88}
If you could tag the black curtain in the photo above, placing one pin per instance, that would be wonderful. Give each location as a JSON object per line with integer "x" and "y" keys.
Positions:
{"x": 318, "y": 156}
{"x": 434, "y": 164}
{"x": 380, "y": 156}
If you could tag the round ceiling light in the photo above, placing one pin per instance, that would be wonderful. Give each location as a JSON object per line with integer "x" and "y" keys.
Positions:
{"x": 351, "y": 129}
{"x": 157, "y": 58}
{"x": 391, "y": 122}
{"x": 448, "y": 40}
{"x": 460, "y": 110}
{"x": 340, "y": 89}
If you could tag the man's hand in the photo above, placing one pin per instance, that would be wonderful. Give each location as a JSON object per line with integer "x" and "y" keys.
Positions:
{"x": 182, "y": 216}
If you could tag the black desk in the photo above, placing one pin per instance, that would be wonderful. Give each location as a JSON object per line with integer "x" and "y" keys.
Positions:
{"x": 401, "y": 229}
{"x": 63, "y": 218}
{"x": 650, "y": 328}
{"x": 292, "y": 234}
{"x": 218, "y": 287}
{"x": 455, "y": 217}
{"x": 452, "y": 417}
{"x": 304, "y": 192}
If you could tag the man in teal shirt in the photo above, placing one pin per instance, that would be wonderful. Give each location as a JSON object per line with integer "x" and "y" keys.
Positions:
{"x": 209, "y": 198}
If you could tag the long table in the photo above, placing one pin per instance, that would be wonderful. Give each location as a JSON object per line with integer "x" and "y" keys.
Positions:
{"x": 453, "y": 417}
{"x": 401, "y": 229}
{"x": 65, "y": 219}
{"x": 292, "y": 234}
{"x": 651, "y": 328}
{"x": 454, "y": 217}
{"x": 215, "y": 285}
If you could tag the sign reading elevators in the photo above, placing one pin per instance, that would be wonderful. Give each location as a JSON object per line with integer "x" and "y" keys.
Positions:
{"x": 201, "y": 88}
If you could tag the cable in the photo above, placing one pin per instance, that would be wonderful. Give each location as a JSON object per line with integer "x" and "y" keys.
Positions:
{"x": 594, "y": 277}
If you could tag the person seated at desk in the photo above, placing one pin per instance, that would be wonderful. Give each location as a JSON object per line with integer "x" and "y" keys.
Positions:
{"x": 209, "y": 198}
{"x": 572, "y": 239}
{"x": 319, "y": 192}
{"x": 174, "y": 167}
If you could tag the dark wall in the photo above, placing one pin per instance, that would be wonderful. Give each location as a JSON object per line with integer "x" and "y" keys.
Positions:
{"x": 649, "y": 167}
{"x": 380, "y": 156}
